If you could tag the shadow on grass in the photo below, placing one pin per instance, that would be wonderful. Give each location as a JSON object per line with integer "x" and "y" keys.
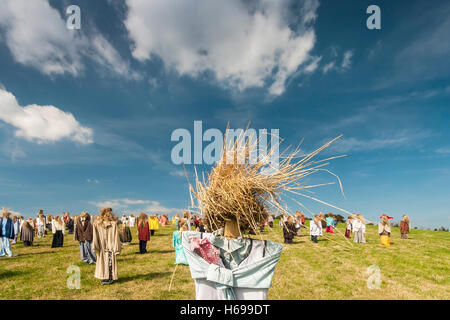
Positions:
{"x": 148, "y": 276}
{"x": 161, "y": 251}
{"x": 11, "y": 273}
{"x": 34, "y": 253}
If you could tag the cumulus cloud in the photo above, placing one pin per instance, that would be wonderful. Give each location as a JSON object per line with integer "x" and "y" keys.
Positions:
{"x": 243, "y": 43}
{"x": 37, "y": 36}
{"x": 41, "y": 124}
{"x": 135, "y": 205}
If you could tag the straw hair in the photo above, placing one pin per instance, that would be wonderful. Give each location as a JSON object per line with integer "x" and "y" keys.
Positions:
{"x": 406, "y": 218}
{"x": 5, "y": 213}
{"x": 142, "y": 219}
{"x": 360, "y": 217}
{"x": 237, "y": 190}
{"x": 105, "y": 216}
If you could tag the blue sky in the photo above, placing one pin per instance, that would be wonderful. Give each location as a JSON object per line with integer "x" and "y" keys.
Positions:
{"x": 136, "y": 71}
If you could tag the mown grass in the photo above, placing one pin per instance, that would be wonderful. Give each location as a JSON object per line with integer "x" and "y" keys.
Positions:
{"x": 334, "y": 268}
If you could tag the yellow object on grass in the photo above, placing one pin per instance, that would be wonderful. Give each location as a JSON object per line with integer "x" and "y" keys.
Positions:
{"x": 385, "y": 240}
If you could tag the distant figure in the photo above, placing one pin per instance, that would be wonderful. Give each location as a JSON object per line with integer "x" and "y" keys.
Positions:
{"x": 48, "y": 221}
{"x": 132, "y": 221}
{"x": 58, "y": 228}
{"x": 16, "y": 225}
{"x": 329, "y": 221}
{"x": 177, "y": 221}
{"x": 84, "y": 233}
{"x": 27, "y": 232}
{"x": 68, "y": 221}
{"x": 143, "y": 232}
{"x": 322, "y": 220}
{"x": 384, "y": 231}
{"x": 404, "y": 227}
{"x": 153, "y": 224}
{"x": 315, "y": 228}
{"x": 348, "y": 228}
{"x": 270, "y": 220}
{"x": 164, "y": 220}
{"x": 187, "y": 217}
{"x": 359, "y": 228}
{"x": 106, "y": 244}
{"x": 124, "y": 233}
{"x": 289, "y": 230}
{"x": 6, "y": 234}
{"x": 180, "y": 257}
{"x": 40, "y": 224}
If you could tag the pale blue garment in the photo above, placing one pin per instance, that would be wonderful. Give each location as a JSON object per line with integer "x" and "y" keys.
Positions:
{"x": 249, "y": 280}
{"x": 180, "y": 257}
{"x": 330, "y": 221}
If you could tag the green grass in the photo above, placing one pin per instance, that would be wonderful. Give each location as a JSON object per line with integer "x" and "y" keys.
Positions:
{"x": 334, "y": 268}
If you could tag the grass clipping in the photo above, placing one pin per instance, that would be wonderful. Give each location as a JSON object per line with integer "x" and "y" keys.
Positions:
{"x": 238, "y": 189}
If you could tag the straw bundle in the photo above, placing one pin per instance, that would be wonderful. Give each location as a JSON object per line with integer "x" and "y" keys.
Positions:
{"x": 241, "y": 192}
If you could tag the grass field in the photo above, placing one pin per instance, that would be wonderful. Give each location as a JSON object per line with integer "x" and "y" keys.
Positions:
{"x": 334, "y": 268}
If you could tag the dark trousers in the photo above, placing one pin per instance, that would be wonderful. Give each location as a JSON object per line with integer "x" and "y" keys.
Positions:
{"x": 58, "y": 239}
{"x": 314, "y": 239}
{"x": 288, "y": 239}
{"x": 152, "y": 232}
{"x": 142, "y": 246}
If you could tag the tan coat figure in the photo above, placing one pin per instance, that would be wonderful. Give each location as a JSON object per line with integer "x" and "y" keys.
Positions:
{"x": 106, "y": 244}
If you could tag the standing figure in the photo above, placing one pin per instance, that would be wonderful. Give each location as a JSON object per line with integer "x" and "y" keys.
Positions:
{"x": 27, "y": 232}
{"x": 315, "y": 228}
{"x": 270, "y": 220}
{"x": 6, "y": 234}
{"x": 404, "y": 227}
{"x": 348, "y": 228}
{"x": 69, "y": 222}
{"x": 48, "y": 221}
{"x": 384, "y": 231}
{"x": 58, "y": 228}
{"x": 359, "y": 228}
{"x": 84, "y": 233}
{"x": 177, "y": 221}
{"x": 153, "y": 223}
{"x": 16, "y": 225}
{"x": 143, "y": 232}
{"x": 180, "y": 256}
{"x": 41, "y": 224}
{"x": 330, "y": 222}
{"x": 124, "y": 233}
{"x": 289, "y": 230}
{"x": 106, "y": 244}
{"x": 187, "y": 217}
{"x": 132, "y": 221}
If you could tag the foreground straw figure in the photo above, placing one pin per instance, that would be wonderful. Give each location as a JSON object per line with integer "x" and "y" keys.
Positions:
{"x": 234, "y": 199}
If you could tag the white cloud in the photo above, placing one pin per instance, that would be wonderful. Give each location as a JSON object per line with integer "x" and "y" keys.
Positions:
{"x": 401, "y": 139}
{"x": 243, "y": 43}
{"x": 42, "y": 124}
{"x": 37, "y": 36}
{"x": 345, "y": 64}
{"x": 177, "y": 173}
{"x": 328, "y": 67}
{"x": 95, "y": 181}
{"x": 135, "y": 205}
{"x": 347, "y": 60}
{"x": 443, "y": 150}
